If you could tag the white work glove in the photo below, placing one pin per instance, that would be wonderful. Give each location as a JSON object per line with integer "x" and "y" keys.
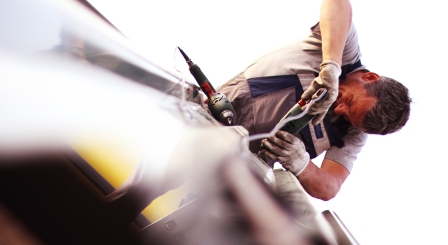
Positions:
{"x": 288, "y": 150}
{"x": 328, "y": 78}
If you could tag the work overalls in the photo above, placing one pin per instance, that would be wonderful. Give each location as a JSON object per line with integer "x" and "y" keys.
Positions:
{"x": 261, "y": 102}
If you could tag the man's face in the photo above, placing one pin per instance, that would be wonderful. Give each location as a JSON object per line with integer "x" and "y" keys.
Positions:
{"x": 353, "y": 102}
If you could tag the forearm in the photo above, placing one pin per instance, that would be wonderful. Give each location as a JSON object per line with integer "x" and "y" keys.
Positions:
{"x": 335, "y": 22}
{"x": 322, "y": 183}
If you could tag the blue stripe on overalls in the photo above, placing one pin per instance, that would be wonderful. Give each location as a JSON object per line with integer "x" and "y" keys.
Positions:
{"x": 264, "y": 85}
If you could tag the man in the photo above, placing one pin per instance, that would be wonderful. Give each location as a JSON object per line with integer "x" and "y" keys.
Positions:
{"x": 363, "y": 102}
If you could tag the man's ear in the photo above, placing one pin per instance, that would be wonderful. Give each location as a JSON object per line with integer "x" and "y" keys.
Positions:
{"x": 371, "y": 77}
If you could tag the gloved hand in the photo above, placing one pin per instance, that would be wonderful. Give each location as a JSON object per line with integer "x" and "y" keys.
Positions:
{"x": 286, "y": 149}
{"x": 328, "y": 78}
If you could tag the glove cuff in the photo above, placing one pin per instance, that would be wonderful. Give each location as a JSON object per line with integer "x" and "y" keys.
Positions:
{"x": 333, "y": 64}
{"x": 306, "y": 160}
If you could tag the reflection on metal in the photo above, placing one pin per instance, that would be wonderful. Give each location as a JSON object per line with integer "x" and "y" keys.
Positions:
{"x": 96, "y": 178}
{"x": 57, "y": 29}
{"x": 342, "y": 234}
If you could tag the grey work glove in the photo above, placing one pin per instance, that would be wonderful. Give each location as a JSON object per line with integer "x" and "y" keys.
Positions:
{"x": 286, "y": 149}
{"x": 328, "y": 78}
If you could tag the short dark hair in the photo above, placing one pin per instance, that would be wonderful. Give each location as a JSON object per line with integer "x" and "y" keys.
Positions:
{"x": 391, "y": 112}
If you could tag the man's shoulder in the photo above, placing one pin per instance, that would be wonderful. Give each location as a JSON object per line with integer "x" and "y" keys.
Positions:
{"x": 352, "y": 51}
{"x": 355, "y": 135}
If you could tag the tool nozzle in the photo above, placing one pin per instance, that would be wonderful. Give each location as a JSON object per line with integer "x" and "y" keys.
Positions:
{"x": 184, "y": 55}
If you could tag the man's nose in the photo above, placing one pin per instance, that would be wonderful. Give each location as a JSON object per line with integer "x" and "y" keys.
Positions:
{"x": 341, "y": 109}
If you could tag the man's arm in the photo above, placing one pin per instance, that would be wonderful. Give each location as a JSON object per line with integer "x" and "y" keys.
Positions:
{"x": 324, "y": 182}
{"x": 335, "y": 22}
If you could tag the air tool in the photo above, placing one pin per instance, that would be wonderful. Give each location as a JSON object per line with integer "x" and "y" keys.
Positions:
{"x": 296, "y": 118}
{"x": 295, "y": 125}
{"x": 218, "y": 104}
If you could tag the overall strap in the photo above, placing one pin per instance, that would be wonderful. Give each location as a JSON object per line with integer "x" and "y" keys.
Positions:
{"x": 339, "y": 129}
{"x": 349, "y": 68}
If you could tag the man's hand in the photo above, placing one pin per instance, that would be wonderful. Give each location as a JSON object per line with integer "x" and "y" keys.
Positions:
{"x": 328, "y": 78}
{"x": 288, "y": 150}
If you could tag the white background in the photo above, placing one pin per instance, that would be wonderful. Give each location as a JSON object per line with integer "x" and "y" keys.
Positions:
{"x": 396, "y": 193}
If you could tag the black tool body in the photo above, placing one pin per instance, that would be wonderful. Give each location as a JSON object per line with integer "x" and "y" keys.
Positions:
{"x": 218, "y": 104}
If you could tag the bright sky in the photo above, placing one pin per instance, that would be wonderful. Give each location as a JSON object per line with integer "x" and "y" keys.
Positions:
{"x": 396, "y": 193}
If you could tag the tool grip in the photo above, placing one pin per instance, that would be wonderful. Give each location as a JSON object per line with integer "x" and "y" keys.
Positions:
{"x": 294, "y": 126}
